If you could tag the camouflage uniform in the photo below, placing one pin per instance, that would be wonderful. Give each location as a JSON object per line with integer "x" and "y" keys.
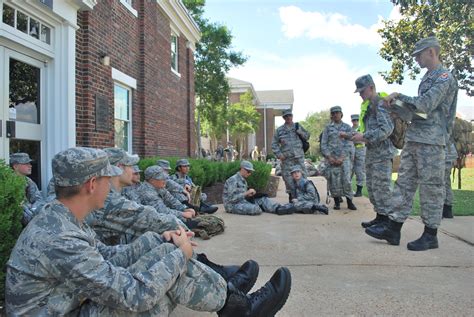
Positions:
{"x": 380, "y": 151}
{"x": 160, "y": 200}
{"x": 121, "y": 221}
{"x": 423, "y": 157}
{"x": 305, "y": 194}
{"x": 286, "y": 142}
{"x": 358, "y": 166}
{"x": 187, "y": 180}
{"x": 51, "y": 192}
{"x": 176, "y": 190}
{"x": 235, "y": 202}
{"x": 58, "y": 268}
{"x": 130, "y": 192}
{"x": 451, "y": 156}
{"x": 334, "y": 146}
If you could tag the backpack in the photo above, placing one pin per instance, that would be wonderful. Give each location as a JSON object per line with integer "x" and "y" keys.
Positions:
{"x": 399, "y": 131}
{"x": 207, "y": 226}
{"x": 303, "y": 140}
{"x": 462, "y": 136}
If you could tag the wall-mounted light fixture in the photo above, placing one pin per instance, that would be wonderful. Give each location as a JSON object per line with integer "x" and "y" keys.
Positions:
{"x": 105, "y": 59}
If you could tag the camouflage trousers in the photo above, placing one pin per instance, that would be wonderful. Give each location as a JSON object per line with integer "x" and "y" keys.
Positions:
{"x": 261, "y": 204}
{"x": 199, "y": 288}
{"x": 286, "y": 166}
{"x": 420, "y": 165}
{"x": 448, "y": 200}
{"x": 358, "y": 167}
{"x": 339, "y": 180}
{"x": 379, "y": 185}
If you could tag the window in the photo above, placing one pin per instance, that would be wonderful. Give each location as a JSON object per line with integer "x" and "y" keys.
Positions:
{"x": 26, "y": 24}
{"x": 122, "y": 114}
{"x": 174, "y": 53}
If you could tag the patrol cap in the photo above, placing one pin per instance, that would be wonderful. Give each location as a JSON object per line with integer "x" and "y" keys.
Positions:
{"x": 425, "y": 43}
{"x": 182, "y": 162}
{"x": 295, "y": 169}
{"x": 354, "y": 117}
{"x": 164, "y": 164}
{"x": 20, "y": 158}
{"x": 287, "y": 112}
{"x": 136, "y": 169}
{"x": 155, "y": 172}
{"x": 76, "y": 165}
{"x": 335, "y": 109}
{"x": 119, "y": 156}
{"x": 363, "y": 82}
{"x": 247, "y": 165}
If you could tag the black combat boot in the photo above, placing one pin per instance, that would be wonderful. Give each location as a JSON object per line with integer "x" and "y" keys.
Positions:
{"x": 337, "y": 203}
{"x": 320, "y": 207}
{"x": 358, "y": 192}
{"x": 226, "y": 271}
{"x": 447, "y": 211}
{"x": 389, "y": 230}
{"x": 207, "y": 209}
{"x": 267, "y": 301}
{"x": 286, "y": 209}
{"x": 290, "y": 198}
{"x": 350, "y": 204}
{"x": 378, "y": 219}
{"x": 428, "y": 240}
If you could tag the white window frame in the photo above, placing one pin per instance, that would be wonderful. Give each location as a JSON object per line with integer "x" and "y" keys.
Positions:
{"x": 176, "y": 54}
{"x": 129, "y": 120}
{"x": 128, "y": 4}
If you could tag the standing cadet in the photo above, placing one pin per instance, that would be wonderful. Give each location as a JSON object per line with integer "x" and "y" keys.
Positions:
{"x": 358, "y": 166}
{"x": 239, "y": 199}
{"x": 305, "y": 195}
{"x": 378, "y": 126}
{"x": 422, "y": 161}
{"x": 336, "y": 149}
{"x": 58, "y": 268}
{"x": 287, "y": 147}
{"x": 21, "y": 164}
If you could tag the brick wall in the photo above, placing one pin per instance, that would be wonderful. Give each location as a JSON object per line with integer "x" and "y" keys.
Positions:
{"x": 162, "y": 104}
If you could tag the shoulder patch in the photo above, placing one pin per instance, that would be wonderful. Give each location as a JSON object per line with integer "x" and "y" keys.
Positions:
{"x": 444, "y": 76}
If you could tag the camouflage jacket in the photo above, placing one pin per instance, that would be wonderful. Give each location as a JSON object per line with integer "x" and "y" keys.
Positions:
{"x": 332, "y": 144}
{"x": 234, "y": 190}
{"x": 57, "y": 263}
{"x": 122, "y": 220}
{"x": 182, "y": 179}
{"x": 437, "y": 97}
{"x": 286, "y": 141}
{"x": 304, "y": 190}
{"x": 378, "y": 127}
{"x": 34, "y": 200}
{"x": 130, "y": 192}
{"x": 176, "y": 190}
{"x": 149, "y": 196}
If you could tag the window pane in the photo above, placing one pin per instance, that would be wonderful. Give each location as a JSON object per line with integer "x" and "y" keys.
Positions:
{"x": 34, "y": 28}
{"x": 45, "y": 34}
{"x": 8, "y": 15}
{"x": 121, "y": 134}
{"x": 121, "y": 100}
{"x": 22, "y": 22}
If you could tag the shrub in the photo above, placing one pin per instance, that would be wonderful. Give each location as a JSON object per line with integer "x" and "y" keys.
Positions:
{"x": 205, "y": 173}
{"x": 12, "y": 193}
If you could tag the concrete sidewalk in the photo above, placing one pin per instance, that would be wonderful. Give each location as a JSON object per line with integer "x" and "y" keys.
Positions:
{"x": 338, "y": 270}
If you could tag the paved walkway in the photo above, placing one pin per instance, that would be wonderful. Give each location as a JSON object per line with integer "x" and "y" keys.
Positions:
{"x": 338, "y": 270}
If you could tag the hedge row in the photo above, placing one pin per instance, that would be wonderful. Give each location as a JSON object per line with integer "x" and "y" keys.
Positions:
{"x": 205, "y": 173}
{"x": 12, "y": 193}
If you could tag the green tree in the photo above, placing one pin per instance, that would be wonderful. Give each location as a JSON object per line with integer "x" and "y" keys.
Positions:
{"x": 314, "y": 124}
{"x": 453, "y": 24}
{"x": 214, "y": 57}
{"x": 243, "y": 119}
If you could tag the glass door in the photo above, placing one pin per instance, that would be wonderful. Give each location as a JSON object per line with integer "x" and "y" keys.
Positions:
{"x": 23, "y": 108}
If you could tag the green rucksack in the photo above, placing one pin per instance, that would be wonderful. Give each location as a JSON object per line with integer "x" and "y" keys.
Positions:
{"x": 207, "y": 226}
{"x": 462, "y": 137}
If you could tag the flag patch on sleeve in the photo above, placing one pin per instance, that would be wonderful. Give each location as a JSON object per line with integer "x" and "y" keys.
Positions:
{"x": 444, "y": 76}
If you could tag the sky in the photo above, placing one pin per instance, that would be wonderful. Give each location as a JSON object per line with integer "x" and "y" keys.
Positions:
{"x": 317, "y": 48}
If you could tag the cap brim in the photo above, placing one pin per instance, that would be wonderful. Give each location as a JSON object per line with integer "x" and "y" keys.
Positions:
{"x": 416, "y": 52}
{"x": 115, "y": 171}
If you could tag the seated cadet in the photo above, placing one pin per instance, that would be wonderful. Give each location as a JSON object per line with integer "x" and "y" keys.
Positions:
{"x": 130, "y": 192}
{"x": 175, "y": 189}
{"x": 152, "y": 192}
{"x": 121, "y": 220}
{"x": 239, "y": 199}
{"x": 305, "y": 195}
{"x": 58, "y": 268}
{"x": 21, "y": 164}
{"x": 197, "y": 197}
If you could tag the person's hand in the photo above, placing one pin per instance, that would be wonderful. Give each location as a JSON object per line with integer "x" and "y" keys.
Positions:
{"x": 251, "y": 192}
{"x": 331, "y": 160}
{"x": 294, "y": 200}
{"x": 191, "y": 210}
{"x": 187, "y": 187}
{"x": 387, "y": 101}
{"x": 188, "y": 214}
{"x": 358, "y": 137}
{"x": 167, "y": 236}
{"x": 281, "y": 157}
{"x": 344, "y": 135}
{"x": 181, "y": 240}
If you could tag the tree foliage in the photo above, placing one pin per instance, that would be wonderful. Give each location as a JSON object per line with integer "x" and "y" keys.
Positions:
{"x": 450, "y": 21}
{"x": 213, "y": 59}
{"x": 314, "y": 124}
{"x": 243, "y": 118}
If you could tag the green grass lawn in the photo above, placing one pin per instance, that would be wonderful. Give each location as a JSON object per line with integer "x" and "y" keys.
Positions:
{"x": 463, "y": 198}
